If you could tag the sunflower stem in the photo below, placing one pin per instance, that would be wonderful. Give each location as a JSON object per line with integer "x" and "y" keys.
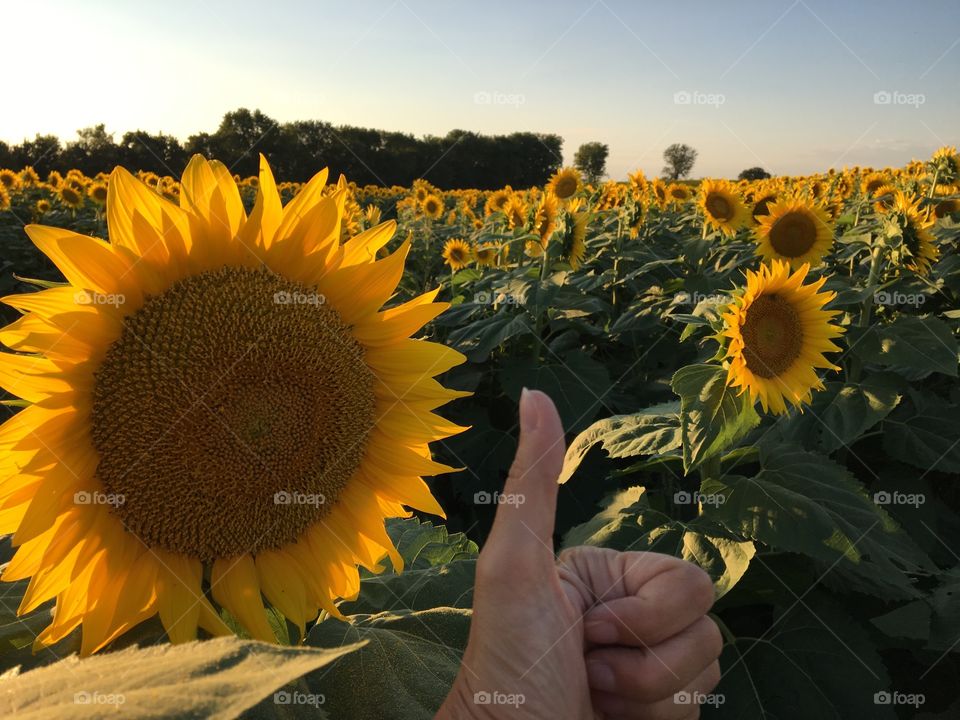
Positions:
{"x": 933, "y": 185}
{"x": 866, "y": 310}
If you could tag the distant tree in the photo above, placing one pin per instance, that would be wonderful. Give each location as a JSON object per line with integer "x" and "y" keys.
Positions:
{"x": 6, "y": 155}
{"x": 754, "y": 173}
{"x": 591, "y": 160}
{"x": 43, "y": 153}
{"x": 162, "y": 154}
{"x": 93, "y": 151}
{"x": 679, "y": 159}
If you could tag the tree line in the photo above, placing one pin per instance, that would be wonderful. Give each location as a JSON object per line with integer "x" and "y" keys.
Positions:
{"x": 460, "y": 159}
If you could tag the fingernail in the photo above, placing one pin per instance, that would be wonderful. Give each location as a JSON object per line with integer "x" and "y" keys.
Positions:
{"x": 600, "y": 676}
{"x": 602, "y": 633}
{"x": 529, "y": 413}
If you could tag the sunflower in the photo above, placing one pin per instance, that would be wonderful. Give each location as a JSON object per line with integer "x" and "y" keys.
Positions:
{"x": 919, "y": 251}
{"x": 873, "y": 182}
{"x": 432, "y": 206}
{"x": 545, "y": 218}
{"x": 457, "y": 253}
{"x": 883, "y": 198}
{"x": 98, "y": 193}
{"x": 778, "y": 333}
{"x": 29, "y": 177}
{"x": 516, "y": 212}
{"x": 796, "y": 231}
{"x": 658, "y": 191}
{"x": 9, "y": 180}
{"x": 945, "y": 208}
{"x": 573, "y": 245}
{"x": 722, "y": 207}
{"x": 945, "y": 165}
{"x": 761, "y": 205}
{"x": 4, "y": 198}
{"x": 678, "y": 193}
{"x": 43, "y": 207}
{"x": 565, "y": 183}
{"x": 638, "y": 184}
{"x": 487, "y": 255}
{"x": 497, "y": 201}
{"x": 70, "y": 196}
{"x": 217, "y": 412}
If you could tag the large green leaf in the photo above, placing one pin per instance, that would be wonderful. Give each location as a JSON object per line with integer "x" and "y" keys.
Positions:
{"x": 919, "y": 344}
{"x": 212, "y": 679}
{"x": 479, "y": 338}
{"x": 404, "y": 671}
{"x": 925, "y": 432}
{"x": 815, "y": 661}
{"x": 712, "y": 415}
{"x": 628, "y": 523}
{"x": 804, "y": 502}
{"x": 652, "y": 431}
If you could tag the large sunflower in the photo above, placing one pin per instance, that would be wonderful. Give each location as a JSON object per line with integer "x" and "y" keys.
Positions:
{"x": 918, "y": 252}
{"x": 565, "y": 183}
{"x": 778, "y": 332}
{"x": 217, "y": 411}
{"x": 796, "y": 231}
{"x": 722, "y": 206}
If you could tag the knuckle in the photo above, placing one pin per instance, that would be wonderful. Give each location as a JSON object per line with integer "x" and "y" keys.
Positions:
{"x": 714, "y": 640}
{"x": 700, "y": 585}
{"x": 712, "y": 677}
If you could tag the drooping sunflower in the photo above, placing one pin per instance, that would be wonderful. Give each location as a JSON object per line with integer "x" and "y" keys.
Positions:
{"x": 778, "y": 333}
{"x": 432, "y": 206}
{"x": 565, "y": 183}
{"x": 545, "y": 218}
{"x": 658, "y": 190}
{"x": 217, "y": 411}
{"x": 722, "y": 206}
{"x": 945, "y": 208}
{"x": 457, "y": 253}
{"x": 487, "y": 255}
{"x": 516, "y": 212}
{"x": 4, "y": 198}
{"x": 796, "y": 231}
{"x": 919, "y": 252}
{"x": 573, "y": 247}
{"x": 883, "y": 198}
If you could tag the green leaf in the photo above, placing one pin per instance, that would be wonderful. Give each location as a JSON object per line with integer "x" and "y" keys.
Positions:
{"x": 576, "y": 382}
{"x": 628, "y": 523}
{"x": 652, "y": 431}
{"x": 815, "y": 661}
{"x": 712, "y": 415}
{"x": 924, "y": 344}
{"x": 805, "y": 503}
{"x": 404, "y": 671}
{"x": 479, "y": 338}
{"x": 211, "y": 678}
{"x": 424, "y": 545}
{"x": 924, "y": 432}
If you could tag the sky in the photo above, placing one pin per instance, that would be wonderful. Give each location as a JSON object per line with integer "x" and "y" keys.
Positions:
{"x": 795, "y": 86}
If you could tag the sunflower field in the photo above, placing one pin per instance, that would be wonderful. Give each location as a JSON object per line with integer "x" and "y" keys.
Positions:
{"x": 760, "y": 377}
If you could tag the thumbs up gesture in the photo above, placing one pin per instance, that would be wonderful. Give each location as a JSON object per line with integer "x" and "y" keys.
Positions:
{"x": 595, "y": 633}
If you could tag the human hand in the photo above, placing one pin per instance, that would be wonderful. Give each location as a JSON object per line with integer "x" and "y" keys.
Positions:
{"x": 595, "y": 633}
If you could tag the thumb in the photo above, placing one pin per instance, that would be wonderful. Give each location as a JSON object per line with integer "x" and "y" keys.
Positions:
{"x": 523, "y": 527}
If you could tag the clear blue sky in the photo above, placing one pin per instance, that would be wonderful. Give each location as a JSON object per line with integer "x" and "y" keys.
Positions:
{"x": 786, "y": 84}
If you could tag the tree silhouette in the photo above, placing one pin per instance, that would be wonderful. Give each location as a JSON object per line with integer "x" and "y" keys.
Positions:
{"x": 754, "y": 173}
{"x": 679, "y": 159}
{"x": 591, "y": 160}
